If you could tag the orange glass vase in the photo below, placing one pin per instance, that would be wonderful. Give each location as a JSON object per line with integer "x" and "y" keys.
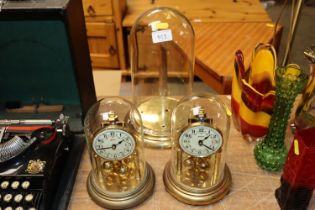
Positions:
{"x": 253, "y": 92}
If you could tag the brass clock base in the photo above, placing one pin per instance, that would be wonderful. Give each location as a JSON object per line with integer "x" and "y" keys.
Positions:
{"x": 195, "y": 196}
{"x": 156, "y": 116}
{"x": 126, "y": 199}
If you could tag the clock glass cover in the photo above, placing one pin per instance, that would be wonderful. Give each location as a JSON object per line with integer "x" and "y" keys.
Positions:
{"x": 116, "y": 152}
{"x": 162, "y": 43}
{"x": 197, "y": 173}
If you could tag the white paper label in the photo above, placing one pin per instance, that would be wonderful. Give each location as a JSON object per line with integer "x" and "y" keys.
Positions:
{"x": 105, "y": 115}
{"x": 162, "y": 36}
{"x": 195, "y": 110}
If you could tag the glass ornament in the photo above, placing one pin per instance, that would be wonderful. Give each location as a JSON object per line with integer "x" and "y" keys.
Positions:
{"x": 271, "y": 153}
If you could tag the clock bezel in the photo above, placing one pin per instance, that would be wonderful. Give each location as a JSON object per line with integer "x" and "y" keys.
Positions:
{"x": 196, "y": 124}
{"x": 109, "y": 128}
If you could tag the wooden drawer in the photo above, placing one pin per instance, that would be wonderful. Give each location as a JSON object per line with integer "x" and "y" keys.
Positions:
{"x": 102, "y": 44}
{"x": 95, "y": 8}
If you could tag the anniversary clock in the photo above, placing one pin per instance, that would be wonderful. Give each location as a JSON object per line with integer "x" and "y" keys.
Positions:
{"x": 120, "y": 178}
{"x": 197, "y": 173}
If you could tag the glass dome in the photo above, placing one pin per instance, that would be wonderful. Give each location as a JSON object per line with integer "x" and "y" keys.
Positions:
{"x": 116, "y": 153}
{"x": 162, "y": 64}
{"x": 200, "y": 130}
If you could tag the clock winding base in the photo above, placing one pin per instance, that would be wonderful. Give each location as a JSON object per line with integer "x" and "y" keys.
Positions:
{"x": 195, "y": 196}
{"x": 123, "y": 200}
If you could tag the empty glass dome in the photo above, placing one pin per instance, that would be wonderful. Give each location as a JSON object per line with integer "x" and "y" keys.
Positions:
{"x": 162, "y": 43}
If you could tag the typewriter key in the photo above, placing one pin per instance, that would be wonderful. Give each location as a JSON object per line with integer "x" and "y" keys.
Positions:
{"x": 29, "y": 198}
{"x": 7, "y": 197}
{"x": 19, "y": 208}
{"x": 8, "y": 208}
{"x": 18, "y": 198}
{"x": 25, "y": 185}
{"x": 15, "y": 185}
{"x": 32, "y": 208}
{"x": 4, "y": 185}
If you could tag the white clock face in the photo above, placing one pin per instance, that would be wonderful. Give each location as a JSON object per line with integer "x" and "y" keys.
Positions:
{"x": 200, "y": 141}
{"x": 114, "y": 144}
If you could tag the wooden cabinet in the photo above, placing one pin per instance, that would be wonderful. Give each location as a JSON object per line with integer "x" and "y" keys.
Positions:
{"x": 104, "y": 31}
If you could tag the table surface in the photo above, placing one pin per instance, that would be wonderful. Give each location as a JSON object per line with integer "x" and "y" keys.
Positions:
{"x": 216, "y": 43}
{"x": 252, "y": 187}
{"x": 201, "y": 10}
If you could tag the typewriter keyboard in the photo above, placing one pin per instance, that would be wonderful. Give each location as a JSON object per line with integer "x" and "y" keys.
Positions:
{"x": 19, "y": 195}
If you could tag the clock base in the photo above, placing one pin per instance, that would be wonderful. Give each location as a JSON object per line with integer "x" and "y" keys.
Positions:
{"x": 195, "y": 196}
{"x": 123, "y": 200}
{"x": 156, "y": 116}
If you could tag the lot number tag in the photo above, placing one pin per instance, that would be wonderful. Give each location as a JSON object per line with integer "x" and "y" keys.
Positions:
{"x": 162, "y": 36}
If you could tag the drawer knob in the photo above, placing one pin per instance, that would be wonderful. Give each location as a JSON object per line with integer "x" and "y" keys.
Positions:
{"x": 112, "y": 51}
{"x": 91, "y": 10}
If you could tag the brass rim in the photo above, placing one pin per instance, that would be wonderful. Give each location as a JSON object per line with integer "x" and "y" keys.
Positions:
{"x": 123, "y": 201}
{"x": 197, "y": 197}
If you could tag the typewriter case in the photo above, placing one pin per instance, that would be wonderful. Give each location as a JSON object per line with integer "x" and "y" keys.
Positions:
{"x": 44, "y": 57}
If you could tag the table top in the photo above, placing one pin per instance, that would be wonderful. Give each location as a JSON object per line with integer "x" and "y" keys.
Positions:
{"x": 216, "y": 43}
{"x": 252, "y": 187}
{"x": 202, "y": 11}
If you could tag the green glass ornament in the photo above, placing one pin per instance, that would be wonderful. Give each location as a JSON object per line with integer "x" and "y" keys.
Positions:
{"x": 271, "y": 153}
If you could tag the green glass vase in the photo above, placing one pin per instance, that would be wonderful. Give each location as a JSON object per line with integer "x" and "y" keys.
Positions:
{"x": 271, "y": 153}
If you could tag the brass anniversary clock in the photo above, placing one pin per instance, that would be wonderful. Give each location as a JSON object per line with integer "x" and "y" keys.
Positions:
{"x": 197, "y": 173}
{"x": 120, "y": 178}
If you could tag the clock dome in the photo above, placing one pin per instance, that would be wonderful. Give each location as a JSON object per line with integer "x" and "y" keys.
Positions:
{"x": 162, "y": 60}
{"x": 197, "y": 173}
{"x": 120, "y": 177}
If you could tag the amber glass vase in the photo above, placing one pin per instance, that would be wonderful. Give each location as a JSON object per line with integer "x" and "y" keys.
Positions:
{"x": 253, "y": 92}
{"x": 271, "y": 153}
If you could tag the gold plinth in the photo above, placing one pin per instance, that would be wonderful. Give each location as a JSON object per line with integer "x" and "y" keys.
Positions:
{"x": 122, "y": 200}
{"x": 195, "y": 196}
{"x": 156, "y": 116}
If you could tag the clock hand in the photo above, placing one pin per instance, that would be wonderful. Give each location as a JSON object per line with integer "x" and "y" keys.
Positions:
{"x": 104, "y": 148}
{"x": 113, "y": 146}
{"x": 205, "y": 138}
{"x": 201, "y": 144}
{"x": 121, "y": 141}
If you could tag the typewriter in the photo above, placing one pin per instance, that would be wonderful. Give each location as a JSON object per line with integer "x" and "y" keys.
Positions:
{"x": 31, "y": 162}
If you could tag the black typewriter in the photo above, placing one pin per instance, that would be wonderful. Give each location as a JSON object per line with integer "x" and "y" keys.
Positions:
{"x": 32, "y": 155}
{"x": 44, "y": 59}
